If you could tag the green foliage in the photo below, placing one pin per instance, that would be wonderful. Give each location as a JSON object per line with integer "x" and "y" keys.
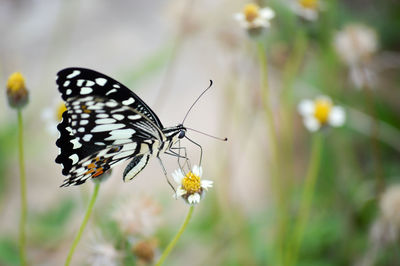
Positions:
{"x": 49, "y": 227}
{"x": 9, "y": 254}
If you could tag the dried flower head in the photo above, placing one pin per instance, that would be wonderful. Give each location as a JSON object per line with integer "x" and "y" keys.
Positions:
{"x": 254, "y": 19}
{"x": 191, "y": 186}
{"x": 306, "y": 9}
{"x": 390, "y": 205}
{"x": 355, "y": 45}
{"x": 102, "y": 252}
{"x": 145, "y": 250}
{"x": 16, "y": 91}
{"x": 138, "y": 216}
{"x": 321, "y": 112}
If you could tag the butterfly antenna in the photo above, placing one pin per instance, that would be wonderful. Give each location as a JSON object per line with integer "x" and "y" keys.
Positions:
{"x": 214, "y": 137}
{"x": 198, "y": 98}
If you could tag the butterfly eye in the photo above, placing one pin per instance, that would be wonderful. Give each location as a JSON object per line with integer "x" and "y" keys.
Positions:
{"x": 181, "y": 134}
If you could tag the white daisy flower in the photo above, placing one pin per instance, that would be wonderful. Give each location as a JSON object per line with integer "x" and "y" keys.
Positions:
{"x": 254, "y": 17}
{"x": 321, "y": 112}
{"x": 191, "y": 187}
{"x": 52, "y": 115}
{"x": 306, "y": 9}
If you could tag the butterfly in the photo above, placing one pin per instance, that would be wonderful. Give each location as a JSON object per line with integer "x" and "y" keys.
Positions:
{"x": 106, "y": 124}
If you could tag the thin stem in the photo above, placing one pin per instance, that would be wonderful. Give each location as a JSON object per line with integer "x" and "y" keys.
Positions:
{"x": 274, "y": 141}
{"x": 306, "y": 198}
{"x": 22, "y": 221}
{"x": 376, "y": 152}
{"x": 173, "y": 242}
{"x": 291, "y": 70}
{"x": 84, "y": 222}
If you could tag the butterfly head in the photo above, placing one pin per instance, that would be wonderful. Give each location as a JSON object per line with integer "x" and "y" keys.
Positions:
{"x": 175, "y": 133}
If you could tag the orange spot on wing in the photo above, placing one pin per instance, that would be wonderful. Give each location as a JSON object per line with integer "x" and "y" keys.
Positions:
{"x": 98, "y": 172}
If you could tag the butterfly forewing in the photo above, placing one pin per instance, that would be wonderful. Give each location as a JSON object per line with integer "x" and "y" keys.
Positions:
{"x": 105, "y": 123}
{"x": 80, "y": 82}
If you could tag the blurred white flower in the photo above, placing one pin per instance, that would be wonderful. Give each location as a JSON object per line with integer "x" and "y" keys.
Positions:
{"x": 52, "y": 115}
{"x": 355, "y": 45}
{"x": 191, "y": 187}
{"x": 321, "y": 112}
{"x": 138, "y": 216}
{"x": 253, "y": 17}
{"x": 306, "y": 9}
{"x": 102, "y": 253}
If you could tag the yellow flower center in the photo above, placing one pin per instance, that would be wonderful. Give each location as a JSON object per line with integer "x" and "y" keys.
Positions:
{"x": 310, "y": 4}
{"x": 191, "y": 183}
{"x": 15, "y": 82}
{"x": 60, "y": 110}
{"x": 251, "y": 12}
{"x": 322, "y": 110}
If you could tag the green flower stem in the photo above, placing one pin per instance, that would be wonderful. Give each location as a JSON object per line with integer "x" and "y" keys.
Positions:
{"x": 173, "y": 242}
{"x": 84, "y": 222}
{"x": 306, "y": 198}
{"x": 274, "y": 141}
{"x": 376, "y": 153}
{"x": 290, "y": 72}
{"x": 22, "y": 221}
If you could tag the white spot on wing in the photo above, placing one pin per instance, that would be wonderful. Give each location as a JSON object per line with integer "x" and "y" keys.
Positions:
{"x": 111, "y": 104}
{"x": 74, "y": 158}
{"x": 86, "y": 90}
{"x": 134, "y": 117}
{"x": 129, "y": 101}
{"x": 101, "y": 81}
{"x": 76, "y": 143}
{"x": 116, "y": 86}
{"x": 118, "y": 116}
{"x": 66, "y": 83}
{"x": 111, "y": 91}
{"x": 87, "y": 137}
{"x": 89, "y": 83}
{"x": 73, "y": 74}
{"x": 83, "y": 122}
{"x": 68, "y": 92}
{"x": 121, "y": 134}
{"x": 105, "y": 121}
{"x": 107, "y": 127}
{"x": 79, "y": 82}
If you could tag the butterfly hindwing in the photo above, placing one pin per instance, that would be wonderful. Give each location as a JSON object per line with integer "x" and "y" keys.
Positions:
{"x": 98, "y": 163}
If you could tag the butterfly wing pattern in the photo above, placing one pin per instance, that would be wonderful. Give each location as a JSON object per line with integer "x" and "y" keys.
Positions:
{"x": 105, "y": 124}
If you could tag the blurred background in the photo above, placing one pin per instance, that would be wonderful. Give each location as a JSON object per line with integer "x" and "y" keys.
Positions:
{"x": 261, "y": 210}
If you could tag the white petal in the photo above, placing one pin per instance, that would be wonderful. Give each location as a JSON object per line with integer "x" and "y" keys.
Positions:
{"x": 197, "y": 170}
{"x": 267, "y": 13}
{"x": 337, "y": 116}
{"x": 194, "y": 198}
{"x": 206, "y": 184}
{"x": 324, "y": 98}
{"x": 239, "y": 16}
{"x": 178, "y": 176}
{"x": 306, "y": 108}
{"x": 311, "y": 123}
{"x": 180, "y": 192}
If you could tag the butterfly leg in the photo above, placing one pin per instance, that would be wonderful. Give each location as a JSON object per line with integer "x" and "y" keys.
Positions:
{"x": 165, "y": 173}
{"x": 187, "y": 160}
{"x": 198, "y": 145}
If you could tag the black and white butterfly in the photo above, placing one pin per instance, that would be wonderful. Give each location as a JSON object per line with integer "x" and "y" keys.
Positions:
{"x": 105, "y": 124}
